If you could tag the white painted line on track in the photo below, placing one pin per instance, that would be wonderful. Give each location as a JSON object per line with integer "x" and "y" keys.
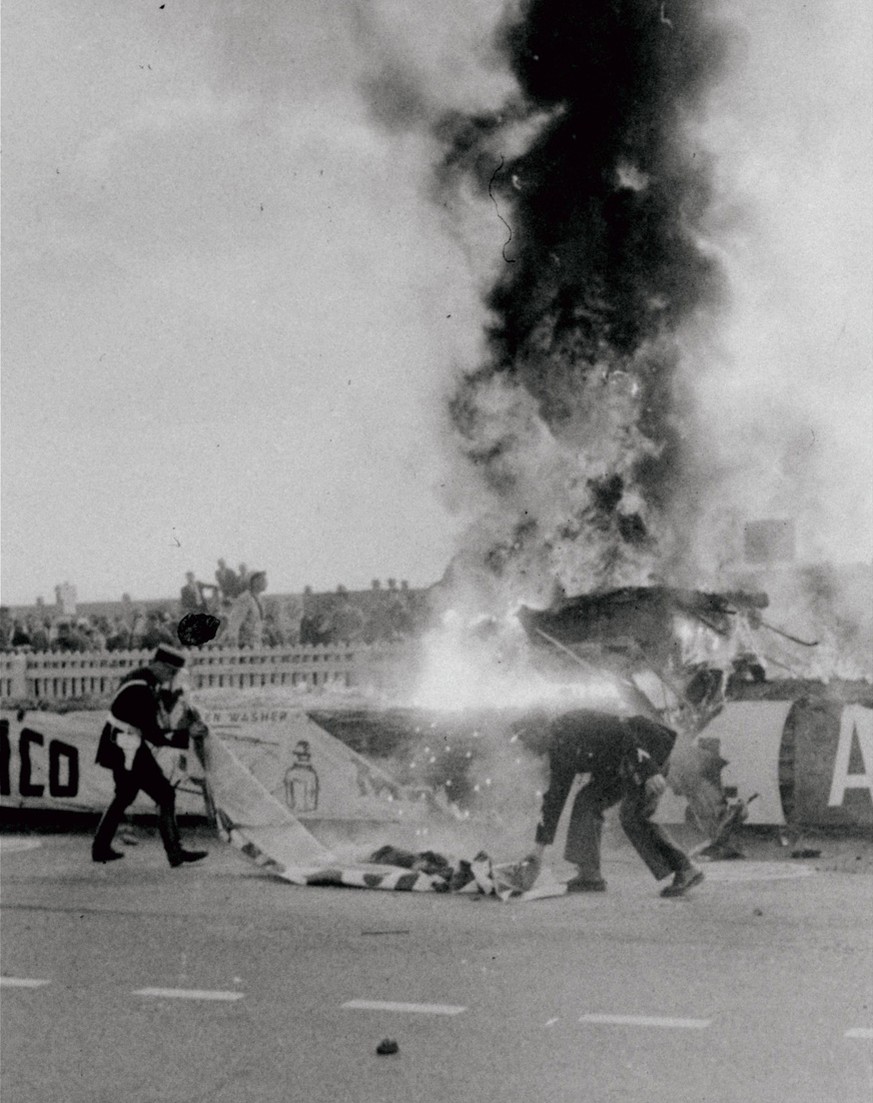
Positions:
{"x": 859, "y": 1032}
{"x": 188, "y": 994}
{"x": 387, "y": 1005}
{"x": 647, "y": 1020}
{"x": 22, "y": 982}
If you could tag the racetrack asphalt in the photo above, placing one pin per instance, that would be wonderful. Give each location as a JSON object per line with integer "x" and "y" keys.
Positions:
{"x": 218, "y": 982}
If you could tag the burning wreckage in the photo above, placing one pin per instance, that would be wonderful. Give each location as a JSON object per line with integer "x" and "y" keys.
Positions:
{"x": 675, "y": 656}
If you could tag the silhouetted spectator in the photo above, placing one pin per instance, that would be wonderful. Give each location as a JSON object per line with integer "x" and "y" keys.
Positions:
{"x": 20, "y": 635}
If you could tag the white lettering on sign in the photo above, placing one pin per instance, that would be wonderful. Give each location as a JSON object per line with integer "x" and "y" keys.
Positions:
{"x": 856, "y": 724}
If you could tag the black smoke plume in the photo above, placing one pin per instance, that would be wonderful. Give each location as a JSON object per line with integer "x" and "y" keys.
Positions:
{"x": 603, "y": 267}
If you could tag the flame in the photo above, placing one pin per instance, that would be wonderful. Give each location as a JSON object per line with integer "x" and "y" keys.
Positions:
{"x": 487, "y": 663}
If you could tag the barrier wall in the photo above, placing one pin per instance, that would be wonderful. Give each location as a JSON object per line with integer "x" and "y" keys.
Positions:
{"x": 810, "y": 761}
{"x": 47, "y": 762}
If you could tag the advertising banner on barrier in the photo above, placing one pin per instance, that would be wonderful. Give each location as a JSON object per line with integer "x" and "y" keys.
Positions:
{"x": 746, "y": 736}
{"x": 810, "y": 761}
{"x": 47, "y": 762}
{"x": 832, "y": 763}
{"x": 309, "y": 771}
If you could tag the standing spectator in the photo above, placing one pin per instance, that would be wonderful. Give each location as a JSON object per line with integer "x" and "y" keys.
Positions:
{"x": 96, "y": 636}
{"x": 157, "y": 632}
{"x": 348, "y": 621}
{"x": 226, "y": 580}
{"x": 273, "y": 635}
{"x": 308, "y": 631}
{"x": 41, "y": 639}
{"x": 69, "y": 638}
{"x": 398, "y": 617}
{"x": 6, "y": 628}
{"x": 138, "y": 629}
{"x": 118, "y": 636}
{"x": 20, "y": 635}
{"x": 316, "y": 628}
{"x": 242, "y": 580}
{"x": 245, "y": 621}
{"x": 191, "y": 598}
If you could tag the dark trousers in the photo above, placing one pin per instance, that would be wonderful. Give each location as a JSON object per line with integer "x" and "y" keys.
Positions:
{"x": 145, "y": 775}
{"x": 650, "y": 841}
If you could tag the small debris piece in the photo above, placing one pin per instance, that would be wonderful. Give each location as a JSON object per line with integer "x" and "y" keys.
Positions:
{"x": 805, "y": 852}
{"x": 387, "y": 1046}
{"x": 757, "y": 911}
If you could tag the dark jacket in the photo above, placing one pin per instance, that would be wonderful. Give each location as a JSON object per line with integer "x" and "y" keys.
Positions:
{"x": 136, "y": 704}
{"x": 610, "y": 748}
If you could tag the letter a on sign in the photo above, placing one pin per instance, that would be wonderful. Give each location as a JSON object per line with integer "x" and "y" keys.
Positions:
{"x": 856, "y": 723}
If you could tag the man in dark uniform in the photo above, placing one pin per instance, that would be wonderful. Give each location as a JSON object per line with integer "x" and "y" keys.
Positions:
{"x": 138, "y": 716}
{"x": 626, "y": 759}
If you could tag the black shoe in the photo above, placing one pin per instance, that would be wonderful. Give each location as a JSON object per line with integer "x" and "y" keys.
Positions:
{"x": 683, "y": 880}
{"x": 107, "y": 855}
{"x": 182, "y": 856}
{"x": 586, "y": 884}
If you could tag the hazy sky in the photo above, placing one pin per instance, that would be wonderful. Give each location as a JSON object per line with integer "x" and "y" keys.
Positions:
{"x": 231, "y": 311}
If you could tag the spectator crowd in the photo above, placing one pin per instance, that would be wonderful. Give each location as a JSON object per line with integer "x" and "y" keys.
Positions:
{"x": 246, "y": 618}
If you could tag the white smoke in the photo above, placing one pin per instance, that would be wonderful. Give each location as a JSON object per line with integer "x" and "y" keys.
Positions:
{"x": 783, "y": 389}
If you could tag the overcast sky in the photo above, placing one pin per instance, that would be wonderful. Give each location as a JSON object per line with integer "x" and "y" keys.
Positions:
{"x": 231, "y": 312}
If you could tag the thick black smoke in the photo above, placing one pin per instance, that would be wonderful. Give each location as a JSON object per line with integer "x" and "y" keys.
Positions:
{"x": 604, "y": 266}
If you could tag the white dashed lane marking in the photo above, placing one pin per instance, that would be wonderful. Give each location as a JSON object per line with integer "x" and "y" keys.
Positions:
{"x": 647, "y": 1020}
{"x": 22, "y": 982}
{"x": 418, "y": 1008}
{"x": 188, "y": 994}
{"x": 860, "y": 1032}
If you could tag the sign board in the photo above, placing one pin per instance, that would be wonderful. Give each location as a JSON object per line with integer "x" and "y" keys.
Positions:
{"x": 313, "y": 774}
{"x": 47, "y": 761}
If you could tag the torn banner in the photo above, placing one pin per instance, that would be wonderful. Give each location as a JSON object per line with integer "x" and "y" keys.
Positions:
{"x": 254, "y": 821}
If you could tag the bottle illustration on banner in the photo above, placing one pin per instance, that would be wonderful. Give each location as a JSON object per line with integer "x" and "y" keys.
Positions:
{"x": 301, "y": 781}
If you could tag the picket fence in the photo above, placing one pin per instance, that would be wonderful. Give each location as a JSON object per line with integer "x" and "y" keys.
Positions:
{"x": 58, "y": 676}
